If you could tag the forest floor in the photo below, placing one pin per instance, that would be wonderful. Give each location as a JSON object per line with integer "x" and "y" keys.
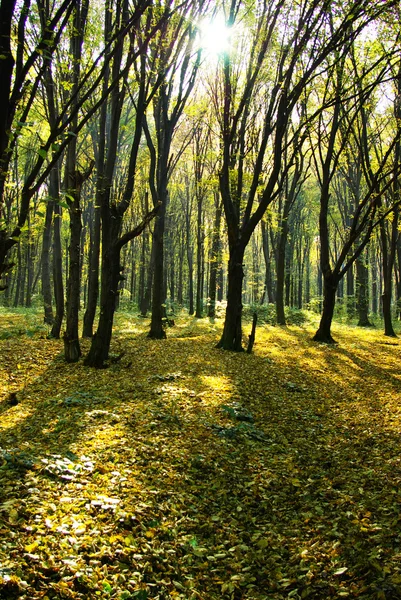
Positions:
{"x": 184, "y": 471}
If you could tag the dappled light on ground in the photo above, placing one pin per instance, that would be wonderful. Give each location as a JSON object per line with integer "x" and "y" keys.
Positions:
{"x": 184, "y": 471}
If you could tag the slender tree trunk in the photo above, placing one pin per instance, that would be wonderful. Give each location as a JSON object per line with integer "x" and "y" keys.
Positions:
{"x": 29, "y": 270}
{"x": 199, "y": 257}
{"x": 165, "y": 277}
{"x": 180, "y": 283}
{"x": 72, "y": 349}
{"x": 145, "y": 305}
{"x": 388, "y": 257}
{"x": 144, "y": 289}
{"x": 190, "y": 259}
{"x": 172, "y": 273}
{"x": 93, "y": 274}
{"x": 57, "y": 273}
{"x": 214, "y": 258}
{"x": 158, "y": 301}
{"x": 281, "y": 272}
{"x": 46, "y": 282}
{"x": 399, "y": 277}
{"x": 220, "y": 282}
{"x": 350, "y": 293}
{"x": 37, "y": 274}
{"x": 19, "y": 278}
{"x": 362, "y": 280}
{"x": 288, "y": 277}
{"x": 373, "y": 263}
{"x": 301, "y": 266}
{"x": 142, "y": 275}
{"x": 307, "y": 277}
{"x": 232, "y": 333}
{"x": 323, "y": 334}
{"x": 270, "y": 297}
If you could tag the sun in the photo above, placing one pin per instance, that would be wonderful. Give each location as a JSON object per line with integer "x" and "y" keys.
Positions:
{"x": 215, "y": 37}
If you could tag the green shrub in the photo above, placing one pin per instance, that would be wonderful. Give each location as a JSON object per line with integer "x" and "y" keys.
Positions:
{"x": 267, "y": 314}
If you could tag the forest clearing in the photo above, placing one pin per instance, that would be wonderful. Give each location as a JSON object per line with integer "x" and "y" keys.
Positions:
{"x": 185, "y": 471}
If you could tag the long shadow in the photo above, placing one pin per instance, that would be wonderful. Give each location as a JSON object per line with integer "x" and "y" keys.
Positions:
{"x": 361, "y": 370}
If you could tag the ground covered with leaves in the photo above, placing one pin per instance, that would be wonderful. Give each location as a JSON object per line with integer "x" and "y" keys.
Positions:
{"x": 184, "y": 471}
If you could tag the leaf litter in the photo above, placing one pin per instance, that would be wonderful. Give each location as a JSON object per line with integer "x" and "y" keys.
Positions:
{"x": 184, "y": 471}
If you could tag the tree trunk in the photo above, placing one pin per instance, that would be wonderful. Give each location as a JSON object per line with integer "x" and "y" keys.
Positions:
{"x": 30, "y": 259}
{"x": 199, "y": 260}
{"x": 214, "y": 258}
{"x": 323, "y": 334}
{"x": 270, "y": 298}
{"x": 281, "y": 273}
{"x": 158, "y": 307}
{"x": 251, "y": 337}
{"x": 190, "y": 280}
{"x": 18, "y": 278}
{"x": 220, "y": 282}
{"x": 232, "y": 333}
{"x": 350, "y": 293}
{"x": 362, "y": 292}
{"x": 57, "y": 271}
{"x": 93, "y": 274}
{"x": 145, "y": 304}
{"x": 389, "y": 246}
{"x": 143, "y": 269}
{"x": 180, "y": 283}
{"x": 300, "y": 283}
{"x": 374, "y": 282}
{"x": 172, "y": 273}
{"x": 399, "y": 277}
{"x": 307, "y": 282}
{"x": 72, "y": 349}
{"x": 288, "y": 277}
{"x": 100, "y": 346}
{"x": 46, "y": 283}
{"x": 386, "y": 306}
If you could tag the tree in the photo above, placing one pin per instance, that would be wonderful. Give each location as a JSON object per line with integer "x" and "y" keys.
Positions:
{"x": 74, "y": 180}
{"x": 215, "y": 254}
{"x": 103, "y": 178}
{"x": 292, "y": 185}
{"x": 17, "y": 95}
{"x": 389, "y": 232}
{"x": 113, "y": 211}
{"x": 284, "y": 48}
{"x": 176, "y": 61}
{"x": 348, "y": 119}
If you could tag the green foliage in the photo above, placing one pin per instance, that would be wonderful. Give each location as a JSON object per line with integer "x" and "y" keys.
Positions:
{"x": 267, "y": 314}
{"x": 17, "y": 322}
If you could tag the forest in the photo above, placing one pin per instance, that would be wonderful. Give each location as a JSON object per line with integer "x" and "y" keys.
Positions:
{"x": 181, "y": 182}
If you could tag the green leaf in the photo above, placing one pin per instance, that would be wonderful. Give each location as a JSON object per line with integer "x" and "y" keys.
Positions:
{"x": 107, "y": 587}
